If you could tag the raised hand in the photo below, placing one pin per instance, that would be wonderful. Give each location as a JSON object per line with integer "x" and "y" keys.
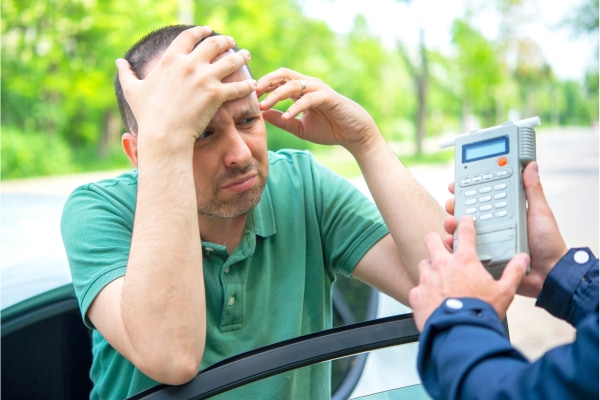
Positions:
{"x": 179, "y": 93}
{"x": 327, "y": 117}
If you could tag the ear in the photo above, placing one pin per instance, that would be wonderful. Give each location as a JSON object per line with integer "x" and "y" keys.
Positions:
{"x": 129, "y": 144}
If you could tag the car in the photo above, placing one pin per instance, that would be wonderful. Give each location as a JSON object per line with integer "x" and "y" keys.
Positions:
{"x": 46, "y": 348}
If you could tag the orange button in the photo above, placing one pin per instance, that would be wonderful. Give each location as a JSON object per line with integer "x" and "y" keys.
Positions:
{"x": 502, "y": 161}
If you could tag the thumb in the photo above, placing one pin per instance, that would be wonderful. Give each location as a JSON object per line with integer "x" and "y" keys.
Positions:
{"x": 533, "y": 187}
{"x": 274, "y": 117}
{"x": 125, "y": 72}
{"x": 515, "y": 271}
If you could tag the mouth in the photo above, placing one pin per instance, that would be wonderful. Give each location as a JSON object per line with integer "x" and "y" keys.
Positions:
{"x": 241, "y": 184}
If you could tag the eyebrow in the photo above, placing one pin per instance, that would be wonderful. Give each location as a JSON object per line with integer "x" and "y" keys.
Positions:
{"x": 248, "y": 111}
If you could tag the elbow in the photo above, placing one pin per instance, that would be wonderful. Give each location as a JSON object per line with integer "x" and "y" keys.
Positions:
{"x": 177, "y": 369}
{"x": 180, "y": 373}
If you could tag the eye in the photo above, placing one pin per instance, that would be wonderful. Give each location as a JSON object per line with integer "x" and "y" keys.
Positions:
{"x": 206, "y": 134}
{"x": 247, "y": 121}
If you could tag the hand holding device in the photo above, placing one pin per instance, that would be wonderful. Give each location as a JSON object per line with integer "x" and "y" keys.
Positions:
{"x": 488, "y": 186}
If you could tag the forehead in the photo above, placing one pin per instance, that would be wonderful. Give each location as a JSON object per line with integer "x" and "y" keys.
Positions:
{"x": 238, "y": 108}
{"x": 245, "y": 104}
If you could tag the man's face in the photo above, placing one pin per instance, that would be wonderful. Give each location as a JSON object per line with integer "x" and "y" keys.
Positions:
{"x": 230, "y": 158}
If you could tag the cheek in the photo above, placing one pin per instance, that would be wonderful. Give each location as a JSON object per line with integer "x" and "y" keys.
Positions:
{"x": 204, "y": 171}
{"x": 257, "y": 143}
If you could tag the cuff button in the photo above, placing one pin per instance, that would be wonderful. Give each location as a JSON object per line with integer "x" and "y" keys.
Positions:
{"x": 454, "y": 304}
{"x": 581, "y": 257}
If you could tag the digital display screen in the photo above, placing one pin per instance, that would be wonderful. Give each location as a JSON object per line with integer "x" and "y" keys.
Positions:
{"x": 485, "y": 149}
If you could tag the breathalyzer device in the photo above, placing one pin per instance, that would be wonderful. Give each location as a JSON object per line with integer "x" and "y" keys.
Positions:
{"x": 488, "y": 167}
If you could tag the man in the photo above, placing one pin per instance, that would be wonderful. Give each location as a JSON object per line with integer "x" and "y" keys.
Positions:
{"x": 464, "y": 352}
{"x": 215, "y": 246}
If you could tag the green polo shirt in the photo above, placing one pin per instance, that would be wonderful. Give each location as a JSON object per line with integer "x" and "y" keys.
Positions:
{"x": 309, "y": 224}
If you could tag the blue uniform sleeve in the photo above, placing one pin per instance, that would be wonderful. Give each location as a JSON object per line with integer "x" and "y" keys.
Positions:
{"x": 464, "y": 352}
{"x": 570, "y": 291}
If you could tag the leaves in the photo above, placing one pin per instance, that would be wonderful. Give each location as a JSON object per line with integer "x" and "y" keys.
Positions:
{"x": 58, "y": 68}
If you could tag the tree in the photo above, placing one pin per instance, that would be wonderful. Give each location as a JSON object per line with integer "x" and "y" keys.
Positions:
{"x": 478, "y": 73}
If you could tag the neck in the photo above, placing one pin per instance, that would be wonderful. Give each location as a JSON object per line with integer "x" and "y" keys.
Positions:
{"x": 225, "y": 231}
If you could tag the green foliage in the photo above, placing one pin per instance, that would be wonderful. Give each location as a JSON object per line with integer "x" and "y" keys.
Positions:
{"x": 33, "y": 153}
{"x": 478, "y": 69}
{"x": 58, "y": 72}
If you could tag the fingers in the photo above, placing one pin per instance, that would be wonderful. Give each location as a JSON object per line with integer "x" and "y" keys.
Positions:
{"x": 451, "y": 188}
{"x": 449, "y": 206}
{"x": 435, "y": 246}
{"x": 187, "y": 40}
{"x": 126, "y": 74}
{"x": 533, "y": 187}
{"x": 514, "y": 271}
{"x": 507, "y": 285}
{"x": 203, "y": 48}
{"x": 466, "y": 234}
{"x": 275, "y": 79}
{"x": 276, "y": 118}
{"x": 285, "y": 84}
{"x": 450, "y": 224}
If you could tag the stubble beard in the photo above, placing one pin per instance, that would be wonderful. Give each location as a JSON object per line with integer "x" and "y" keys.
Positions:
{"x": 240, "y": 204}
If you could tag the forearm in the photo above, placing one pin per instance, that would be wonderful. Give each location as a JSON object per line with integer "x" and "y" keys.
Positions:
{"x": 409, "y": 211}
{"x": 163, "y": 298}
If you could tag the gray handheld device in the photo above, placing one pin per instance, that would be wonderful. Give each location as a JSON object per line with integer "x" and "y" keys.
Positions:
{"x": 488, "y": 167}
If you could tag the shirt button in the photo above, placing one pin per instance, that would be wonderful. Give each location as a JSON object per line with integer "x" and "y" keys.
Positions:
{"x": 231, "y": 301}
{"x": 454, "y": 304}
{"x": 226, "y": 270}
{"x": 581, "y": 257}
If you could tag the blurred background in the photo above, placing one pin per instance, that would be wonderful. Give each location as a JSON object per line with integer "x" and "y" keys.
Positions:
{"x": 422, "y": 68}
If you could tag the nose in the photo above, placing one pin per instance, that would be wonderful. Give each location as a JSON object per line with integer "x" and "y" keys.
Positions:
{"x": 237, "y": 151}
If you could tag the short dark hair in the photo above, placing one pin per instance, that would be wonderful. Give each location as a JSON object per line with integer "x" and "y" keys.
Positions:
{"x": 139, "y": 55}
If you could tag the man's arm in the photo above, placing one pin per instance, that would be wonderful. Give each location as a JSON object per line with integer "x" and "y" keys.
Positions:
{"x": 155, "y": 315}
{"x": 409, "y": 211}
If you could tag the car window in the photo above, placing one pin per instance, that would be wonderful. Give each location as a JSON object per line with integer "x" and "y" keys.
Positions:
{"x": 33, "y": 256}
